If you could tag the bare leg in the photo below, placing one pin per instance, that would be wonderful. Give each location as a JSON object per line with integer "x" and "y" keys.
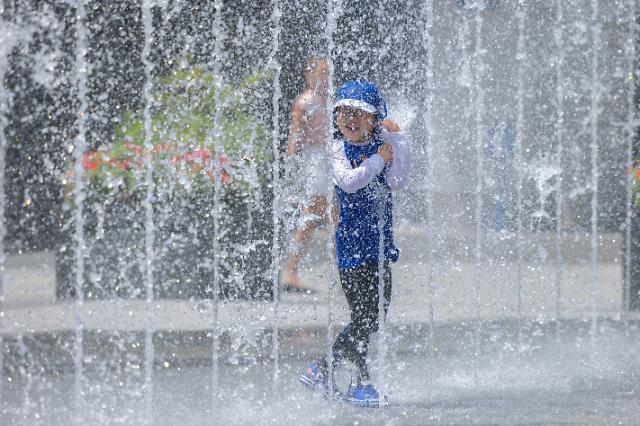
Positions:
{"x": 317, "y": 207}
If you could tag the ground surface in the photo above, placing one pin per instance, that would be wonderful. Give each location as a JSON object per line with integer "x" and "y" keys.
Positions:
{"x": 492, "y": 373}
{"x": 460, "y": 346}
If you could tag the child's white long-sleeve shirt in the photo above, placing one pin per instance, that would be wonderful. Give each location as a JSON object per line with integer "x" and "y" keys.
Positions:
{"x": 352, "y": 179}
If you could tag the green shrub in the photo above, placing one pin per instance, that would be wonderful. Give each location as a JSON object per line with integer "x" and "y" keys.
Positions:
{"x": 182, "y": 146}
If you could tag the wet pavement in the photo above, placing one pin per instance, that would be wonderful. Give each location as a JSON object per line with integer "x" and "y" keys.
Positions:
{"x": 489, "y": 373}
{"x": 516, "y": 365}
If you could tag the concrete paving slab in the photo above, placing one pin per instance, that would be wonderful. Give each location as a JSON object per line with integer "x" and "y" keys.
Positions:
{"x": 449, "y": 289}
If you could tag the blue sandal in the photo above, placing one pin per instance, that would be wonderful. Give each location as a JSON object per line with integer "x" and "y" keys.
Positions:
{"x": 315, "y": 376}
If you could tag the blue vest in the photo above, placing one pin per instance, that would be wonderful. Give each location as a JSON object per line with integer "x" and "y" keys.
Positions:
{"x": 358, "y": 236}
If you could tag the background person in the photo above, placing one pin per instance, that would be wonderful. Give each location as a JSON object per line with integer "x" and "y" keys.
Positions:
{"x": 311, "y": 169}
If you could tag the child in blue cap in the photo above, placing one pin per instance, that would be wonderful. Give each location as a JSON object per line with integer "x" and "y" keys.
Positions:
{"x": 371, "y": 158}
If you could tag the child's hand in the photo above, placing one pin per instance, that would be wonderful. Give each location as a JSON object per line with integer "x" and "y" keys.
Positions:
{"x": 386, "y": 152}
{"x": 390, "y": 125}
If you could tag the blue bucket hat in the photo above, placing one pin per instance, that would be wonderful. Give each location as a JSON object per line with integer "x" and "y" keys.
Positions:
{"x": 363, "y": 95}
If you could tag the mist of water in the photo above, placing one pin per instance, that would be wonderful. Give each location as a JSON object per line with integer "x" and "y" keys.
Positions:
{"x": 479, "y": 108}
{"x": 333, "y": 12}
{"x": 218, "y": 30}
{"x": 557, "y": 179}
{"x": 595, "y": 150}
{"x": 79, "y": 148}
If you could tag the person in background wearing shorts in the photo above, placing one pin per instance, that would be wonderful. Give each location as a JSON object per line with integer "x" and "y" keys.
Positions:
{"x": 311, "y": 169}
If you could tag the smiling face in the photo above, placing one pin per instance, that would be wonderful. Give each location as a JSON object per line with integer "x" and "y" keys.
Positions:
{"x": 356, "y": 125}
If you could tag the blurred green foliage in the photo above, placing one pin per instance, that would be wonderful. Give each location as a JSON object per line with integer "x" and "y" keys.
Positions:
{"x": 193, "y": 112}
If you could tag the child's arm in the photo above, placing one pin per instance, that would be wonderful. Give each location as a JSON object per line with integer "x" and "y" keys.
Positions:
{"x": 400, "y": 169}
{"x": 348, "y": 178}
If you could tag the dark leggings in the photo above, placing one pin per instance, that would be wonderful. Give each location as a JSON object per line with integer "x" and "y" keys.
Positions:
{"x": 360, "y": 286}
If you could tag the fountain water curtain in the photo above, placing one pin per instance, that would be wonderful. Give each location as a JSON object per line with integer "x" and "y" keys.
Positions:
{"x": 521, "y": 58}
{"x": 219, "y": 35}
{"x": 3, "y": 149}
{"x": 276, "y": 254}
{"x": 631, "y": 75}
{"x": 465, "y": 80}
{"x": 595, "y": 148}
{"x": 333, "y": 13}
{"x": 79, "y": 149}
{"x": 382, "y": 329}
{"x": 478, "y": 105}
{"x": 558, "y": 34}
{"x": 6, "y": 40}
{"x": 149, "y": 350}
{"x": 510, "y": 234}
{"x": 428, "y": 106}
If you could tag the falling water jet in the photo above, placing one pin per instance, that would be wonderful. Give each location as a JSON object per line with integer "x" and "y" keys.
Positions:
{"x": 333, "y": 11}
{"x": 478, "y": 103}
{"x": 253, "y": 172}
{"x": 218, "y": 33}
{"x": 383, "y": 193}
{"x": 465, "y": 78}
{"x": 382, "y": 347}
{"x": 428, "y": 124}
{"x": 4, "y": 109}
{"x": 172, "y": 11}
{"x": 149, "y": 350}
{"x": 593, "y": 124}
{"x": 520, "y": 57}
{"x": 24, "y": 354}
{"x": 275, "y": 134}
{"x": 4, "y": 101}
{"x": 79, "y": 148}
{"x": 630, "y": 126}
{"x": 558, "y": 37}
{"x": 3, "y": 150}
